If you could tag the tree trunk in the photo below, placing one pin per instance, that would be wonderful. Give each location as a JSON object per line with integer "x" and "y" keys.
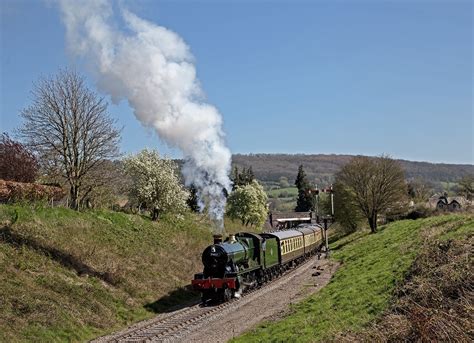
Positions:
{"x": 155, "y": 214}
{"x": 373, "y": 223}
{"x": 74, "y": 194}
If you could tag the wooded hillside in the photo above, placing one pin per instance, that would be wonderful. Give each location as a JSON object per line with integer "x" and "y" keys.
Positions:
{"x": 321, "y": 168}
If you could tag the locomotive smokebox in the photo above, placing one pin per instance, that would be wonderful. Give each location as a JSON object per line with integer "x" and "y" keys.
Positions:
{"x": 217, "y": 239}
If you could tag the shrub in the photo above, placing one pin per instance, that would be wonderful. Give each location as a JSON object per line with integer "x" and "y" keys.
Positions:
{"x": 11, "y": 191}
{"x": 17, "y": 163}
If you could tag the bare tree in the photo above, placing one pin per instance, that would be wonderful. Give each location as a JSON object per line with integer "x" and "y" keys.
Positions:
{"x": 69, "y": 126}
{"x": 346, "y": 209}
{"x": 419, "y": 190}
{"x": 377, "y": 185}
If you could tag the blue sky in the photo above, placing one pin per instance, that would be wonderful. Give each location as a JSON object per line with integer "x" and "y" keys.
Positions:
{"x": 356, "y": 77}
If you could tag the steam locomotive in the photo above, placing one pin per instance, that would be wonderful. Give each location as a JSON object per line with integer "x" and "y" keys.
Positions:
{"x": 246, "y": 260}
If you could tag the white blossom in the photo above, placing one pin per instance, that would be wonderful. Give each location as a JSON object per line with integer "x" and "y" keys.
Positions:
{"x": 248, "y": 204}
{"x": 156, "y": 182}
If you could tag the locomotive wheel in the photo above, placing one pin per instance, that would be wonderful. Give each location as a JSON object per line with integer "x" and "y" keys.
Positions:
{"x": 227, "y": 294}
{"x": 206, "y": 297}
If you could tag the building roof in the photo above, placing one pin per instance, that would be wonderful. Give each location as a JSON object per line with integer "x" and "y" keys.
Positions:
{"x": 284, "y": 220}
{"x": 459, "y": 199}
{"x": 433, "y": 201}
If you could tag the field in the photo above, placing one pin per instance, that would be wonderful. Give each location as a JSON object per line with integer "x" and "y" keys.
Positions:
{"x": 71, "y": 276}
{"x": 287, "y": 192}
{"x": 282, "y": 199}
{"x": 372, "y": 267}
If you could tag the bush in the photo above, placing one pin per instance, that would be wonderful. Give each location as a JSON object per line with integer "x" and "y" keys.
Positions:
{"x": 11, "y": 191}
{"x": 419, "y": 212}
{"x": 17, "y": 163}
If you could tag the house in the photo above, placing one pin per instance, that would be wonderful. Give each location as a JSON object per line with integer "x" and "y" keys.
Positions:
{"x": 454, "y": 205}
{"x": 446, "y": 203}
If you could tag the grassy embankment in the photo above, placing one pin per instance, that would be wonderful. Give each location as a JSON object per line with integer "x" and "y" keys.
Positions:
{"x": 373, "y": 265}
{"x": 71, "y": 276}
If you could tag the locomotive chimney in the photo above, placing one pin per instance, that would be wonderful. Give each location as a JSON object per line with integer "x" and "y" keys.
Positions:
{"x": 217, "y": 239}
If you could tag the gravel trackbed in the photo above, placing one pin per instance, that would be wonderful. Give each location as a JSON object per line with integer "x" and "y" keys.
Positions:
{"x": 221, "y": 323}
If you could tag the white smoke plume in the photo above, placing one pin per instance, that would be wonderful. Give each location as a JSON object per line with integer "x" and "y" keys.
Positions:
{"x": 153, "y": 69}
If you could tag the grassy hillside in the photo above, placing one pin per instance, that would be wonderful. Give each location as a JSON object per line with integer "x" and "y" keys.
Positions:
{"x": 372, "y": 266}
{"x": 70, "y": 276}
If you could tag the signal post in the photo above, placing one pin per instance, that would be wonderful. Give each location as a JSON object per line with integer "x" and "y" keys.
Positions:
{"x": 328, "y": 219}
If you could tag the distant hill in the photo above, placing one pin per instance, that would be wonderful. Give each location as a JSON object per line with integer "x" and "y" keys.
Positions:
{"x": 321, "y": 168}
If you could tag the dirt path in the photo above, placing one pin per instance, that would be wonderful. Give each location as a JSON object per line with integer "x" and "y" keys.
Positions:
{"x": 271, "y": 305}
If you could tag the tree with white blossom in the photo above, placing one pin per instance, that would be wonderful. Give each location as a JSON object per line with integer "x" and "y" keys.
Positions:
{"x": 156, "y": 183}
{"x": 248, "y": 203}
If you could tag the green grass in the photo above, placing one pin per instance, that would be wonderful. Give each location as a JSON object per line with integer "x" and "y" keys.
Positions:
{"x": 70, "y": 276}
{"x": 371, "y": 267}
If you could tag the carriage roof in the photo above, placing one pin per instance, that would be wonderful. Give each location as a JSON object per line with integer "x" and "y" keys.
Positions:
{"x": 284, "y": 234}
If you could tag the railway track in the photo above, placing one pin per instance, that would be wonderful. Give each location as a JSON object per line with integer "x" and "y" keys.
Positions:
{"x": 173, "y": 326}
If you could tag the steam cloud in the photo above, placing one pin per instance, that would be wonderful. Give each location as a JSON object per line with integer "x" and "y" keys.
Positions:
{"x": 153, "y": 69}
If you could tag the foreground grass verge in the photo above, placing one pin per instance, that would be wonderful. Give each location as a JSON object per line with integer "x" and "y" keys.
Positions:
{"x": 71, "y": 276}
{"x": 372, "y": 267}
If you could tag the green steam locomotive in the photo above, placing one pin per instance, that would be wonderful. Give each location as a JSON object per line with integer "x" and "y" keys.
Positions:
{"x": 246, "y": 260}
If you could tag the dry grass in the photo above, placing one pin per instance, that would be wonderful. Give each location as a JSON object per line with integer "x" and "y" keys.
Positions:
{"x": 70, "y": 276}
